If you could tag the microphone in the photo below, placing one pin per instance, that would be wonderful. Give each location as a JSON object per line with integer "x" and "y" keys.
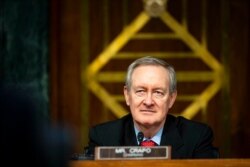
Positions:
{"x": 140, "y": 137}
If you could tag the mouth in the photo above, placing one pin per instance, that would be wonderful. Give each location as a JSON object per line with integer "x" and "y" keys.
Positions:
{"x": 147, "y": 111}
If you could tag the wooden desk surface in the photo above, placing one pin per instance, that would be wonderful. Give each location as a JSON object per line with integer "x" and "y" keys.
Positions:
{"x": 163, "y": 163}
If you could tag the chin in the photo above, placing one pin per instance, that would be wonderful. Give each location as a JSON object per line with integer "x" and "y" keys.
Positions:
{"x": 147, "y": 122}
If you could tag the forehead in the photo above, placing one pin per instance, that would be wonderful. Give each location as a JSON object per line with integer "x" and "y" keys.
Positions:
{"x": 151, "y": 74}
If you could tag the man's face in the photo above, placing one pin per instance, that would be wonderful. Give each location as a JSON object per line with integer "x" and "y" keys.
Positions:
{"x": 149, "y": 98}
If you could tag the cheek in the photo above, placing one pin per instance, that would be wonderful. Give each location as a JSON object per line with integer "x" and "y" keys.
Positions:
{"x": 136, "y": 100}
{"x": 169, "y": 103}
{"x": 164, "y": 106}
{"x": 132, "y": 103}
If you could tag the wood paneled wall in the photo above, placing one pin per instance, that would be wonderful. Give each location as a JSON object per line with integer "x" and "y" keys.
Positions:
{"x": 65, "y": 52}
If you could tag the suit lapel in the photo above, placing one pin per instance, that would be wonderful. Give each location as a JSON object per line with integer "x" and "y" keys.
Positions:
{"x": 129, "y": 133}
{"x": 171, "y": 136}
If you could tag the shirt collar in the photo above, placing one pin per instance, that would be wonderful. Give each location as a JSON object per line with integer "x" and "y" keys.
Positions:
{"x": 156, "y": 138}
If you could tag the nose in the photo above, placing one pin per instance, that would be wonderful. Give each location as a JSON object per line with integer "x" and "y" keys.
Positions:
{"x": 148, "y": 99}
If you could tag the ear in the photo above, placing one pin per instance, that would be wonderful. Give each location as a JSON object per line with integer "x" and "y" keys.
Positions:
{"x": 172, "y": 99}
{"x": 126, "y": 94}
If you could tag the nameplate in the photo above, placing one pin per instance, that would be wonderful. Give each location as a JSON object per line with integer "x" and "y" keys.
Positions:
{"x": 132, "y": 152}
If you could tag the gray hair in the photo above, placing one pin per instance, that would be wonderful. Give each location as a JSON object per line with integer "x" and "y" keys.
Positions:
{"x": 148, "y": 60}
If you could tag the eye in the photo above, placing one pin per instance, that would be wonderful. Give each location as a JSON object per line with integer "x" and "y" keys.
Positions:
{"x": 140, "y": 92}
{"x": 158, "y": 93}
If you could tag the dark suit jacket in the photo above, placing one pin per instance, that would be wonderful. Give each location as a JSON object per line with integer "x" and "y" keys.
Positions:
{"x": 188, "y": 139}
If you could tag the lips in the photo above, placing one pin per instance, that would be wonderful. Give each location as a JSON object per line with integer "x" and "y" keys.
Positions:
{"x": 148, "y": 111}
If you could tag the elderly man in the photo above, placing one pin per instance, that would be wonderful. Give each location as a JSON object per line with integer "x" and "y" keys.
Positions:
{"x": 150, "y": 91}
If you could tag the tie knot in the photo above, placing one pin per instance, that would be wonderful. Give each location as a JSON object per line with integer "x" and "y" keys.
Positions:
{"x": 148, "y": 143}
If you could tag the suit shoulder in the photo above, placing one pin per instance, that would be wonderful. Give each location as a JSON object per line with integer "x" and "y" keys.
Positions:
{"x": 113, "y": 125}
{"x": 182, "y": 121}
{"x": 109, "y": 133}
{"x": 185, "y": 125}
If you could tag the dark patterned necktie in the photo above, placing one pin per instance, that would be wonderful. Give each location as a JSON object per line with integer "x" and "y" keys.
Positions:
{"x": 148, "y": 143}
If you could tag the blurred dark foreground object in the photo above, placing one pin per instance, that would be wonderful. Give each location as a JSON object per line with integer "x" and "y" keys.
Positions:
{"x": 27, "y": 137}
